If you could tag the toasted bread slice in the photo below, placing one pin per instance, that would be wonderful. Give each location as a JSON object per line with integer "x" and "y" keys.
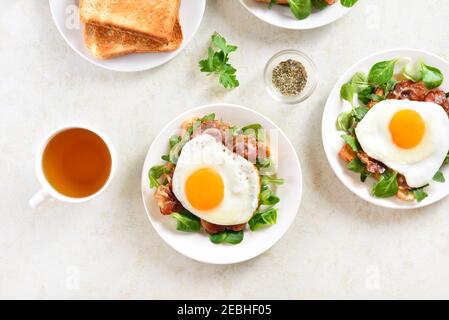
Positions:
{"x": 106, "y": 43}
{"x": 154, "y": 19}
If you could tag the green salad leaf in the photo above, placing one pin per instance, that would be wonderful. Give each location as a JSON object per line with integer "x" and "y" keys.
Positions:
{"x": 348, "y": 3}
{"x": 272, "y": 2}
{"x": 301, "y": 9}
{"x": 413, "y": 71}
{"x": 175, "y": 151}
{"x": 439, "y": 177}
{"x": 358, "y": 166}
{"x": 432, "y": 77}
{"x": 382, "y": 72}
{"x": 344, "y": 121}
{"x": 227, "y": 236}
{"x": 319, "y": 4}
{"x": 267, "y": 180}
{"x": 347, "y": 92}
{"x": 155, "y": 173}
{"x": 352, "y": 142}
{"x": 420, "y": 193}
{"x": 186, "y": 221}
{"x": 359, "y": 113}
{"x": 267, "y": 197}
{"x": 263, "y": 218}
{"x": 174, "y": 140}
{"x": 446, "y": 161}
{"x": 208, "y": 117}
{"x": 255, "y": 130}
{"x": 387, "y": 186}
{"x": 263, "y": 163}
{"x": 359, "y": 81}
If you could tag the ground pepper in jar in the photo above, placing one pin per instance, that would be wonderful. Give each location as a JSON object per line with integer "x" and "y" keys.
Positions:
{"x": 290, "y": 77}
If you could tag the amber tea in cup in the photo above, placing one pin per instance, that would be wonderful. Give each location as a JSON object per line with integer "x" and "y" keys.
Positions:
{"x": 77, "y": 162}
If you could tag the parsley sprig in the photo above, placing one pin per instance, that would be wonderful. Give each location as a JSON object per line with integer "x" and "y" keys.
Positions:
{"x": 217, "y": 62}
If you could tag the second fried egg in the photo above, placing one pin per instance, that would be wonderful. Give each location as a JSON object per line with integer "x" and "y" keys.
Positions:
{"x": 409, "y": 137}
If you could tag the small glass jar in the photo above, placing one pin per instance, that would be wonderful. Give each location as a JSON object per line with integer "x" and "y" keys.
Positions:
{"x": 308, "y": 64}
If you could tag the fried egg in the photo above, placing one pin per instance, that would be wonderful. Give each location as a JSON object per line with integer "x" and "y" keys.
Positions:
{"x": 409, "y": 137}
{"x": 216, "y": 184}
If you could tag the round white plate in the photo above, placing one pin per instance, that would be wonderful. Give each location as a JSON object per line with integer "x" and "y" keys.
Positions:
{"x": 197, "y": 245}
{"x": 282, "y": 17}
{"x": 333, "y": 143}
{"x": 66, "y": 17}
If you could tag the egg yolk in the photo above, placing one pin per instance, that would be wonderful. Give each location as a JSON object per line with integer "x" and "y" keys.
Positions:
{"x": 407, "y": 129}
{"x": 204, "y": 189}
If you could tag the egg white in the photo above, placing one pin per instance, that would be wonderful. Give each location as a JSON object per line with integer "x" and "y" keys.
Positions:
{"x": 240, "y": 177}
{"x": 418, "y": 165}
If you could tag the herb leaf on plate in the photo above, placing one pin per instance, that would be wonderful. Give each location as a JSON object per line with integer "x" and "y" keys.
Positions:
{"x": 301, "y": 9}
{"x": 387, "y": 186}
{"x": 186, "y": 221}
{"x": 255, "y": 130}
{"x": 344, "y": 121}
{"x": 263, "y": 218}
{"x": 352, "y": 142}
{"x": 347, "y": 92}
{"x": 155, "y": 173}
{"x": 358, "y": 166}
{"x": 319, "y": 4}
{"x": 267, "y": 197}
{"x": 432, "y": 77}
{"x": 348, "y": 3}
{"x": 382, "y": 72}
{"x": 266, "y": 180}
{"x": 227, "y": 236}
{"x": 420, "y": 194}
{"x": 439, "y": 177}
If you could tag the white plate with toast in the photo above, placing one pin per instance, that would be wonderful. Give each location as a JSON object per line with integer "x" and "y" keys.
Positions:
{"x": 281, "y": 16}
{"x": 122, "y": 47}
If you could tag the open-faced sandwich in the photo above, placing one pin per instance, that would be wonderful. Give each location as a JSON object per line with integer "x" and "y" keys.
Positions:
{"x": 302, "y": 9}
{"x": 397, "y": 130}
{"x": 219, "y": 178}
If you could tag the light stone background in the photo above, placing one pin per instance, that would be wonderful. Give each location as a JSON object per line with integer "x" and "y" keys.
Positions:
{"x": 339, "y": 245}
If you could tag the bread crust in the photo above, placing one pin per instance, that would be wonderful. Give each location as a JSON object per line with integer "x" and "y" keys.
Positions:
{"x": 106, "y": 43}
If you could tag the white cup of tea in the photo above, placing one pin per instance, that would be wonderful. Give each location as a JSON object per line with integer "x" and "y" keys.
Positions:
{"x": 74, "y": 164}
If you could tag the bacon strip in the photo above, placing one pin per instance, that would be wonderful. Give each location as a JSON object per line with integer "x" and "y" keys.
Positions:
{"x": 408, "y": 90}
{"x": 372, "y": 166}
{"x": 166, "y": 200}
{"x": 215, "y": 228}
{"x": 439, "y": 97}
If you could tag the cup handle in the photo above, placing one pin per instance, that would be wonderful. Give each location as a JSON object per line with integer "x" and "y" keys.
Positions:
{"x": 38, "y": 198}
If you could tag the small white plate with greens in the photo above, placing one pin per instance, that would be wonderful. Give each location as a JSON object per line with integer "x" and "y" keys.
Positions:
{"x": 299, "y": 14}
{"x": 385, "y": 129}
{"x": 207, "y": 197}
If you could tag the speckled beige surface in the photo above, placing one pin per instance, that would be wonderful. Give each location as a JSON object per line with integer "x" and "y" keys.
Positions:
{"x": 338, "y": 247}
